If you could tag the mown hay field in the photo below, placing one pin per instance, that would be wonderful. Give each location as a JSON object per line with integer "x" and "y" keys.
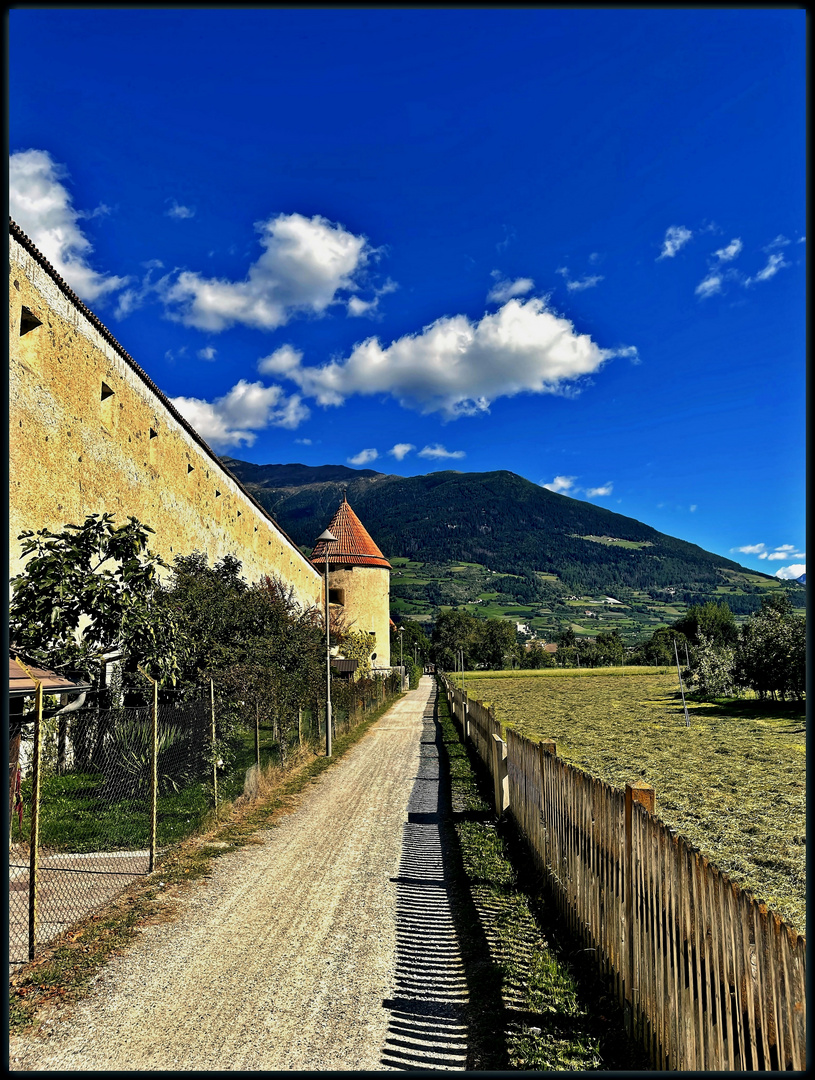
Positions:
{"x": 733, "y": 783}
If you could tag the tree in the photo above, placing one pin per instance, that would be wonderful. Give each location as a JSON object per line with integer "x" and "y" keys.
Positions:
{"x": 714, "y": 670}
{"x": 610, "y": 649}
{"x": 412, "y": 637}
{"x": 496, "y": 642}
{"x": 264, "y": 653}
{"x": 454, "y": 630}
{"x": 771, "y": 653}
{"x": 87, "y": 590}
{"x": 714, "y": 620}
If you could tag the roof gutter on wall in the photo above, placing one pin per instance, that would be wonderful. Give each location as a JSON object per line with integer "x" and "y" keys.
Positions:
{"x": 25, "y": 242}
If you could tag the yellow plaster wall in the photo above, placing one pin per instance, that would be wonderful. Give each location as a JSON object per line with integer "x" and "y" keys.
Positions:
{"x": 367, "y": 604}
{"x": 72, "y": 454}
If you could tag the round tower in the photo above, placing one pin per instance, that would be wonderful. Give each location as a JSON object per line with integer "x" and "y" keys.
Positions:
{"x": 358, "y": 579}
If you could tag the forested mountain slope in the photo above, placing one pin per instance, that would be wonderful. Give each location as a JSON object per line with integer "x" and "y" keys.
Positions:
{"x": 497, "y": 519}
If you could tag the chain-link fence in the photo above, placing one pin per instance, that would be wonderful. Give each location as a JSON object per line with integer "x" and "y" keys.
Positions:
{"x": 97, "y": 793}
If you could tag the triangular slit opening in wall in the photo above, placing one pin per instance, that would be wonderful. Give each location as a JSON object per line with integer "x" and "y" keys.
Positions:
{"x": 28, "y": 321}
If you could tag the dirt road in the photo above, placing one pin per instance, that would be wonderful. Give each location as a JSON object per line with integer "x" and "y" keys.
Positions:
{"x": 328, "y": 947}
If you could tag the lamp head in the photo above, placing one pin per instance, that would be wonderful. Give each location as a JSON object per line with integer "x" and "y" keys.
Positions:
{"x": 327, "y": 535}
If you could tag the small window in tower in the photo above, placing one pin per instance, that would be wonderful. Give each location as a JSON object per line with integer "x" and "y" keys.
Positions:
{"x": 217, "y": 494}
{"x": 106, "y": 392}
{"x": 190, "y": 469}
{"x": 28, "y": 321}
{"x": 336, "y": 596}
{"x": 153, "y": 433}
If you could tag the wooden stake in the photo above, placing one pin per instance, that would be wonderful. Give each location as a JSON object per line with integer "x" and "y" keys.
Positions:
{"x": 33, "y": 871}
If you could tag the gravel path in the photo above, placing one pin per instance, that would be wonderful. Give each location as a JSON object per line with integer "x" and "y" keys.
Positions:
{"x": 328, "y": 947}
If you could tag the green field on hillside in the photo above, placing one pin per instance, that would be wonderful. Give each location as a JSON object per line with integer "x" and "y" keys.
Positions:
{"x": 733, "y": 783}
{"x": 420, "y": 590}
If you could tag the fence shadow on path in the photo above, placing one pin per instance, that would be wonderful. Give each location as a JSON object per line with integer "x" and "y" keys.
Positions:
{"x": 428, "y": 1028}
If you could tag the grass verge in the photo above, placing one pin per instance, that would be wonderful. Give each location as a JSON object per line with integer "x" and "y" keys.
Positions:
{"x": 534, "y": 1004}
{"x": 65, "y": 970}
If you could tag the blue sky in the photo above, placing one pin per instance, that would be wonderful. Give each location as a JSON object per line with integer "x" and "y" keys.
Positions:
{"x": 570, "y": 244}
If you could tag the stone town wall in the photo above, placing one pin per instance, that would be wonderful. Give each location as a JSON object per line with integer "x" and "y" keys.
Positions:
{"x": 90, "y": 433}
{"x": 367, "y": 603}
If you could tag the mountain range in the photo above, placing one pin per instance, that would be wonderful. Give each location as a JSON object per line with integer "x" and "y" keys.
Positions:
{"x": 496, "y": 519}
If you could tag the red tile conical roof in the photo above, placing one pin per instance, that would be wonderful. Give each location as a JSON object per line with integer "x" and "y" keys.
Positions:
{"x": 354, "y": 547}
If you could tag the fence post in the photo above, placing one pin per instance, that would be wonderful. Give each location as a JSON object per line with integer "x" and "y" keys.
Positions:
{"x": 299, "y": 725}
{"x": 466, "y": 716}
{"x": 644, "y": 795}
{"x": 153, "y": 776}
{"x": 212, "y": 740}
{"x": 499, "y": 774}
{"x": 33, "y": 871}
{"x": 257, "y": 734}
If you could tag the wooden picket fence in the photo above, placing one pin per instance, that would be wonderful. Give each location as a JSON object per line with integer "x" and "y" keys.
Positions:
{"x": 708, "y": 978}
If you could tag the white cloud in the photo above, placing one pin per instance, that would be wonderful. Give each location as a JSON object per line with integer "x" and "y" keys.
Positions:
{"x": 774, "y": 264}
{"x": 790, "y": 573}
{"x": 785, "y": 547}
{"x": 363, "y": 457}
{"x": 306, "y": 262}
{"x": 207, "y": 353}
{"x": 587, "y": 282}
{"x": 779, "y": 242}
{"x": 303, "y": 442}
{"x": 248, "y": 407}
{"x": 401, "y": 450}
{"x": 357, "y": 307}
{"x": 750, "y": 549}
{"x": 606, "y": 489}
{"x": 693, "y": 508}
{"x": 504, "y": 290}
{"x": 726, "y": 254}
{"x": 281, "y": 361}
{"x": 180, "y": 212}
{"x": 437, "y": 451}
{"x": 509, "y": 236}
{"x": 584, "y": 283}
{"x": 561, "y": 484}
{"x": 780, "y": 554}
{"x": 711, "y": 284}
{"x": 675, "y": 238}
{"x": 459, "y": 367}
{"x": 41, "y": 205}
{"x": 629, "y": 351}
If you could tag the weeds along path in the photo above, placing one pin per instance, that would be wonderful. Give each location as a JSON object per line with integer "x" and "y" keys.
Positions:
{"x": 329, "y": 946}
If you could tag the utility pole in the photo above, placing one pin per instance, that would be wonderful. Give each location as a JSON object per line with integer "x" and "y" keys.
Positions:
{"x": 327, "y": 537}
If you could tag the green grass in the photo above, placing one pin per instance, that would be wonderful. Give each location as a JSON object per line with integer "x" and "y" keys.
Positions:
{"x": 528, "y": 1008}
{"x": 733, "y": 783}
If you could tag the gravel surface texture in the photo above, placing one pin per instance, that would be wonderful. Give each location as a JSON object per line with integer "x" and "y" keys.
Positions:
{"x": 328, "y": 947}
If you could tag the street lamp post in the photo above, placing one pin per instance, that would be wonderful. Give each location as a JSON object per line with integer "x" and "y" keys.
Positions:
{"x": 401, "y": 658}
{"x": 327, "y": 537}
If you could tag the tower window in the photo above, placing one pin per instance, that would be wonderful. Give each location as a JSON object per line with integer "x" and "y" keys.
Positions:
{"x": 190, "y": 469}
{"x": 106, "y": 392}
{"x": 153, "y": 433}
{"x": 336, "y": 596}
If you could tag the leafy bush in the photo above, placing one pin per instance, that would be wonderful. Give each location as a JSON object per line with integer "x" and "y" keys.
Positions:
{"x": 714, "y": 673}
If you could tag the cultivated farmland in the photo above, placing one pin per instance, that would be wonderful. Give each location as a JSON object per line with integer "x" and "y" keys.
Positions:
{"x": 733, "y": 783}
